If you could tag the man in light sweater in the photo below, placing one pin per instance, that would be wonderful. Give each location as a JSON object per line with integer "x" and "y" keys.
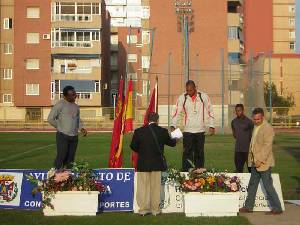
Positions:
{"x": 198, "y": 111}
{"x": 65, "y": 117}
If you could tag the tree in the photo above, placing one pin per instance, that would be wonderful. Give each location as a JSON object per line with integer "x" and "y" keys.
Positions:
{"x": 283, "y": 102}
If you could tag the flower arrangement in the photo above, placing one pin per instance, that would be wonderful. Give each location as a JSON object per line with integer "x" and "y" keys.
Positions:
{"x": 202, "y": 180}
{"x": 79, "y": 178}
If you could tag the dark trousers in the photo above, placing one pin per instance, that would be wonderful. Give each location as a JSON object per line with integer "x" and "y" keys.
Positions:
{"x": 240, "y": 159}
{"x": 268, "y": 185}
{"x": 66, "y": 148}
{"x": 193, "y": 150}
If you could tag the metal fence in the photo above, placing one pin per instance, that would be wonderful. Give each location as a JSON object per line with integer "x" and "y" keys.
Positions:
{"x": 281, "y": 118}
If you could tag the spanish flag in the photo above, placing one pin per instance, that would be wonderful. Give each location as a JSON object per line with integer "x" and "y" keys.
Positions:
{"x": 117, "y": 136}
{"x": 128, "y": 122}
{"x": 126, "y": 125}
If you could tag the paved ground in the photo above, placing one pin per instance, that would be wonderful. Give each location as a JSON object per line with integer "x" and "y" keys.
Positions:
{"x": 291, "y": 216}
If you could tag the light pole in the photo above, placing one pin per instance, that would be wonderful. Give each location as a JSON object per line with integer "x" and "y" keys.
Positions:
{"x": 184, "y": 12}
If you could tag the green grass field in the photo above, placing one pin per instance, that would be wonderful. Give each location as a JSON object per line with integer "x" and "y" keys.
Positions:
{"x": 37, "y": 151}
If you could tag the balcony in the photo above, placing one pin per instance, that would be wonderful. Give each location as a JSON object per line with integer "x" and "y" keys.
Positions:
{"x": 240, "y": 2}
{"x": 92, "y": 73}
{"x": 83, "y": 98}
{"x": 235, "y": 46}
{"x": 114, "y": 67}
{"x": 76, "y": 47}
{"x": 234, "y": 20}
{"x": 76, "y": 21}
{"x": 114, "y": 47}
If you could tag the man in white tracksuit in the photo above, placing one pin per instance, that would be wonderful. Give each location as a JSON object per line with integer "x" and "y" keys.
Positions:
{"x": 198, "y": 112}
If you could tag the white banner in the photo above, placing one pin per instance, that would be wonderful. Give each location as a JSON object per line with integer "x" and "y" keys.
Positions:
{"x": 172, "y": 198}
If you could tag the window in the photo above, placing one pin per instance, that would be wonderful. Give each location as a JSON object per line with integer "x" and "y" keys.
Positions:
{"x": 7, "y": 74}
{"x": 7, "y": 48}
{"x": 96, "y": 7}
{"x": 233, "y": 33}
{"x": 131, "y": 39}
{"x": 7, "y": 23}
{"x": 145, "y": 87}
{"x": 133, "y": 76}
{"x": 33, "y": 12}
{"x": 132, "y": 57}
{"x": 292, "y": 22}
{"x": 114, "y": 40}
{"x": 292, "y": 34}
{"x": 146, "y": 62}
{"x": 7, "y": 98}
{"x": 83, "y": 8}
{"x": 84, "y": 95}
{"x": 32, "y": 89}
{"x": 52, "y": 90}
{"x": 32, "y": 64}
{"x": 95, "y": 36}
{"x": 146, "y": 37}
{"x": 233, "y": 58}
{"x": 97, "y": 85}
{"x": 33, "y": 38}
{"x": 66, "y": 8}
{"x": 292, "y": 8}
{"x": 292, "y": 45}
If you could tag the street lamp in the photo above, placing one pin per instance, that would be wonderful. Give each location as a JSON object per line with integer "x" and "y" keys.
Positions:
{"x": 185, "y": 25}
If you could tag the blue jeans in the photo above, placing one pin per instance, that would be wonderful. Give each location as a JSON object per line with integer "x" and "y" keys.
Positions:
{"x": 268, "y": 185}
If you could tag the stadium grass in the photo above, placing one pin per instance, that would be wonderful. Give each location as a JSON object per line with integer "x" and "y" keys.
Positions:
{"x": 37, "y": 151}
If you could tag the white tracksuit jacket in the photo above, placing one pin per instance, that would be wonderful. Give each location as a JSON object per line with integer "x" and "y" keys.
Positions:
{"x": 197, "y": 115}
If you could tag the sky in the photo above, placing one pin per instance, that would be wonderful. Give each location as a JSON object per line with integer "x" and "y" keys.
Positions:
{"x": 298, "y": 26}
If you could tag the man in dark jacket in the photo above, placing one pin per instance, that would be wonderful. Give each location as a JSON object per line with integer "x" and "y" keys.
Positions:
{"x": 148, "y": 142}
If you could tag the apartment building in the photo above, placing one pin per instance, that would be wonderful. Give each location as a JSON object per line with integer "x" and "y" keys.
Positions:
{"x": 270, "y": 32}
{"x": 56, "y": 43}
{"x": 130, "y": 46}
{"x": 80, "y": 36}
{"x": 6, "y": 54}
{"x": 236, "y": 46}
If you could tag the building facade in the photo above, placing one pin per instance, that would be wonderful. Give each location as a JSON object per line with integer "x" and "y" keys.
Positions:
{"x": 275, "y": 22}
{"x": 46, "y": 45}
{"x": 6, "y": 55}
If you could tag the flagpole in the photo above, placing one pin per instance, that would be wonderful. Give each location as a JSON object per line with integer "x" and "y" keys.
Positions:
{"x": 156, "y": 95}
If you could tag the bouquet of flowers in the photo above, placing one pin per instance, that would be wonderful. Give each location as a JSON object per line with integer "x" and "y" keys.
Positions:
{"x": 202, "y": 180}
{"x": 79, "y": 178}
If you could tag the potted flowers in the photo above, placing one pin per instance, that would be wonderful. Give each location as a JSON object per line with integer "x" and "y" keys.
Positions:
{"x": 209, "y": 193}
{"x": 69, "y": 192}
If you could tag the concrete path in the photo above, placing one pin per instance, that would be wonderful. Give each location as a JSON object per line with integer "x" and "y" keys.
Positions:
{"x": 291, "y": 216}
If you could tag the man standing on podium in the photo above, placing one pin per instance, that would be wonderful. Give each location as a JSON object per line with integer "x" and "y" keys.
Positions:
{"x": 198, "y": 111}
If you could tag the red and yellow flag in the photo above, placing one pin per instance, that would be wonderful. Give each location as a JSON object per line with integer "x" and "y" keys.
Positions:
{"x": 123, "y": 124}
{"x": 128, "y": 122}
{"x": 117, "y": 136}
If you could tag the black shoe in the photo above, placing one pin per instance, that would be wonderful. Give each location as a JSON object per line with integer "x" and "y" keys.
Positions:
{"x": 245, "y": 210}
{"x": 272, "y": 212}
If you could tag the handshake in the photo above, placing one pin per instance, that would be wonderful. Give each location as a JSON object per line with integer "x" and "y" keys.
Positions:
{"x": 176, "y": 133}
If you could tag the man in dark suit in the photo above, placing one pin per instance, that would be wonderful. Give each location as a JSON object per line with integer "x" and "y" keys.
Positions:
{"x": 148, "y": 142}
